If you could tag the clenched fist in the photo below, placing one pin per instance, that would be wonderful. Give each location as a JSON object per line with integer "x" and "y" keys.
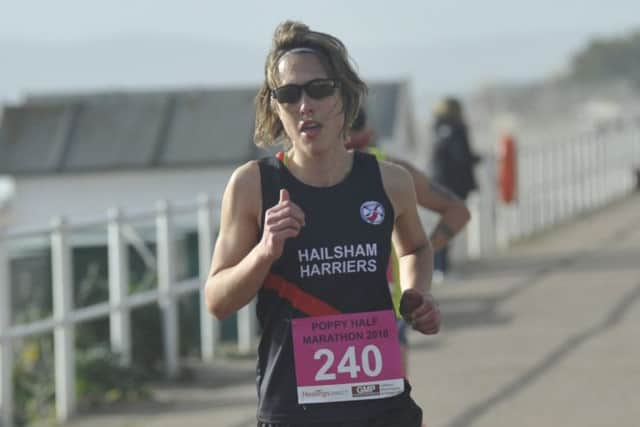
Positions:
{"x": 281, "y": 222}
{"x": 420, "y": 311}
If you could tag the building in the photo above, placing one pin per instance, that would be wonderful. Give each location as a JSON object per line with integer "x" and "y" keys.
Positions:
{"x": 77, "y": 155}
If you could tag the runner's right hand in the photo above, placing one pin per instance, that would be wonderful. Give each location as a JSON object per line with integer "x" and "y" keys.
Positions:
{"x": 281, "y": 222}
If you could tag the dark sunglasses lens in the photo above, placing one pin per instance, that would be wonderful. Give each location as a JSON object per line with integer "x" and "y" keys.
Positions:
{"x": 288, "y": 94}
{"x": 320, "y": 89}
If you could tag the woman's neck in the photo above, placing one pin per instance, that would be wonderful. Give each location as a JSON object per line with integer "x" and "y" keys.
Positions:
{"x": 320, "y": 170}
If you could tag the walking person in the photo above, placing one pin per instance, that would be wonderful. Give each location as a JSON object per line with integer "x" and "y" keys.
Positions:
{"x": 452, "y": 163}
{"x": 310, "y": 235}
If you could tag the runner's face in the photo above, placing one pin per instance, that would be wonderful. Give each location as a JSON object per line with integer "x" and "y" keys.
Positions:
{"x": 312, "y": 125}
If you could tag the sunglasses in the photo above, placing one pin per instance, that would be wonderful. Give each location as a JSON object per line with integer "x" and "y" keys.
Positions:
{"x": 316, "y": 89}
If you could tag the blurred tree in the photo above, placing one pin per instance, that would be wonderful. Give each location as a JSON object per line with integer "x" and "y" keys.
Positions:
{"x": 608, "y": 59}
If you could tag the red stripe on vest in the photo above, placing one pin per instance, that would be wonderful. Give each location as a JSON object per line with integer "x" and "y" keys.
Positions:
{"x": 298, "y": 298}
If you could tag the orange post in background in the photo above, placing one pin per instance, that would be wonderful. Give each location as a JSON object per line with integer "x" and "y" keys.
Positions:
{"x": 507, "y": 172}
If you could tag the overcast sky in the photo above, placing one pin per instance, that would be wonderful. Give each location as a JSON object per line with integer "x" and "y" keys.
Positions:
{"x": 357, "y": 22}
{"x": 547, "y": 30}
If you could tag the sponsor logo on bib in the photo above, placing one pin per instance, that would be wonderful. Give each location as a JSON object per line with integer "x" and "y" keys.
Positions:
{"x": 365, "y": 390}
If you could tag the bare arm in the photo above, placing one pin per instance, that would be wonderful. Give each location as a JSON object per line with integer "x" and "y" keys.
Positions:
{"x": 240, "y": 261}
{"x": 454, "y": 215}
{"x": 415, "y": 255}
{"x": 409, "y": 239}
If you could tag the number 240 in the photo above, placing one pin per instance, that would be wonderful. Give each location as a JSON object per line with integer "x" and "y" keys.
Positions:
{"x": 348, "y": 363}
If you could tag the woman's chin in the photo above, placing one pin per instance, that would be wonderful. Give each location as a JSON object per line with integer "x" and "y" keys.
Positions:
{"x": 318, "y": 145}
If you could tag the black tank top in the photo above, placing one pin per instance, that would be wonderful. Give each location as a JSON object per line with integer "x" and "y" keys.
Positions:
{"x": 339, "y": 259}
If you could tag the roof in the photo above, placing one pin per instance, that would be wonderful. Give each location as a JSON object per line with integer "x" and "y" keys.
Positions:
{"x": 132, "y": 130}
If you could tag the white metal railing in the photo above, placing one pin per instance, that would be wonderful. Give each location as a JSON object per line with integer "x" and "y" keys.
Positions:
{"x": 555, "y": 183}
{"x": 66, "y": 316}
{"x": 570, "y": 179}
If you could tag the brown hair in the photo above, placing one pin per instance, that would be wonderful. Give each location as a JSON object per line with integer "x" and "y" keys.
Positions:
{"x": 449, "y": 107}
{"x": 332, "y": 54}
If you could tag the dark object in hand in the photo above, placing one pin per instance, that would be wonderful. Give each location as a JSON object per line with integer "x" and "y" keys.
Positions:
{"x": 410, "y": 300}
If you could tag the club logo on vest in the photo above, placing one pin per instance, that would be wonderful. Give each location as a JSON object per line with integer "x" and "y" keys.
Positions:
{"x": 372, "y": 212}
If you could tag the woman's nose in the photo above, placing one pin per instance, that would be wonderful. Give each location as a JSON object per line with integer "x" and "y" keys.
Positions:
{"x": 306, "y": 104}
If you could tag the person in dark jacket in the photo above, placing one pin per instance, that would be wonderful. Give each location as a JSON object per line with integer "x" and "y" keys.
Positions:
{"x": 452, "y": 160}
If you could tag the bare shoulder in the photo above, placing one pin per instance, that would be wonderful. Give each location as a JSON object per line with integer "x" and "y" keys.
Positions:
{"x": 247, "y": 175}
{"x": 398, "y": 185}
{"x": 243, "y": 190}
{"x": 394, "y": 176}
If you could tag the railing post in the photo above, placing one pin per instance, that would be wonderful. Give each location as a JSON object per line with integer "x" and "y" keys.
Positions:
{"x": 209, "y": 325}
{"x": 6, "y": 346}
{"x": 540, "y": 189}
{"x": 547, "y": 179}
{"x": 582, "y": 175}
{"x": 489, "y": 207}
{"x": 570, "y": 188}
{"x": 632, "y": 161}
{"x": 63, "y": 333}
{"x": 635, "y": 156}
{"x": 576, "y": 178}
{"x": 556, "y": 201}
{"x": 600, "y": 161}
{"x": 550, "y": 186}
{"x": 166, "y": 278}
{"x": 609, "y": 190}
{"x": 591, "y": 172}
{"x": 561, "y": 165}
{"x": 524, "y": 192}
{"x": 619, "y": 160}
{"x": 119, "y": 319}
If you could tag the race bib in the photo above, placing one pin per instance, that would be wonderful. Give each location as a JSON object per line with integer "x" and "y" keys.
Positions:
{"x": 347, "y": 357}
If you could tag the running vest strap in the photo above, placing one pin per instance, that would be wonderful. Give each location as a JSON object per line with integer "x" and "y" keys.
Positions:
{"x": 337, "y": 264}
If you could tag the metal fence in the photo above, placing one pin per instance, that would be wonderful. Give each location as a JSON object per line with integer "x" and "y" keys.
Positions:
{"x": 555, "y": 183}
{"x": 120, "y": 303}
{"x": 561, "y": 181}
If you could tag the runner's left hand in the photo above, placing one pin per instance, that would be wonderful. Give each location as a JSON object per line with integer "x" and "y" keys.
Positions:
{"x": 424, "y": 317}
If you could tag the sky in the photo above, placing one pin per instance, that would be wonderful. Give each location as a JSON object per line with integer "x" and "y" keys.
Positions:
{"x": 442, "y": 47}
{"x": 357, "y": 22}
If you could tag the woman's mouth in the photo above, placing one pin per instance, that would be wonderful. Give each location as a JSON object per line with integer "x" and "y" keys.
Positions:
{"x": 310, "y": 128}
